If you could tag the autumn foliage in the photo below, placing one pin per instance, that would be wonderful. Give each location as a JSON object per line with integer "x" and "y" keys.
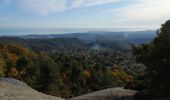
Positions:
{"x": 11, "y": 57}
{"x": 62, "y": 74}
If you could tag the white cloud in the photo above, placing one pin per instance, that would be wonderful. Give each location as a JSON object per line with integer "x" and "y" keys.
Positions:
{"x": 46, "y": 7}
{"x": 142, "y": 13}
{"x": 87, "y": 3}
{"x": 136, "y": 13}
{"x": 148, "y": 10}
{"x": 43, "y": 7}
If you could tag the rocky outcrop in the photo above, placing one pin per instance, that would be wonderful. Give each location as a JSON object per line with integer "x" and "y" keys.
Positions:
{"x": 11, "y": 89}
{"x": 109, "y": 94}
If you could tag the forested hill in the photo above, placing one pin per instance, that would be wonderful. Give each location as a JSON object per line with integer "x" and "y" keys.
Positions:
{"x": 120, "y": 41}
{"x": 100, "y": 35}
{"x": 46, "y": 44}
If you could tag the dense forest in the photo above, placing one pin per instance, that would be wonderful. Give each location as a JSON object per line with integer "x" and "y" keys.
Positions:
{"x": 68, "y": 72}
{"x": 65, "y": 74}
{"x": 156, "y": 57}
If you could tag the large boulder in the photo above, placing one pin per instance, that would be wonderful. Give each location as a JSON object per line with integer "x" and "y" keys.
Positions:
{"x": 109, "y": 94}
{"x": 11, "y": 89}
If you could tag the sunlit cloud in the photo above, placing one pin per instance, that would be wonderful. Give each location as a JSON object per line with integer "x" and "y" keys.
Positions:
{"x": 142, "y": 12}
{"x": 86, "y": 13}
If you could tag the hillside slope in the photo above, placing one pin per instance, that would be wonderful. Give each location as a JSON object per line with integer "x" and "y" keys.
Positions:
{"x": 46, "y": 44}
{"x": 11, "y": 89}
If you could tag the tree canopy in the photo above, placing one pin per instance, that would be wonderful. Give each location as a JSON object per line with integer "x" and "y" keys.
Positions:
{"x": 62, "y": 74}
{"x": 156, "y": 57}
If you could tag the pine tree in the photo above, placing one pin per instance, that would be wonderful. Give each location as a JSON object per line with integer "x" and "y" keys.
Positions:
{"x": 156, "y": 57}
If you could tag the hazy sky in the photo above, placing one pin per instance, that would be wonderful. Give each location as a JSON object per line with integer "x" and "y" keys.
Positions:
{"x": 83, "y": 13}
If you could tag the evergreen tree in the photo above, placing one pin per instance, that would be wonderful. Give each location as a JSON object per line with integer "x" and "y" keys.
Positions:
{"x": 156, "y": 57}
{"x": 49, "y": 75}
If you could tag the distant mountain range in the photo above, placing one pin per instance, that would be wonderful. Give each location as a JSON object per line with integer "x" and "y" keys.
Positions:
{"x": 89, "y": 40}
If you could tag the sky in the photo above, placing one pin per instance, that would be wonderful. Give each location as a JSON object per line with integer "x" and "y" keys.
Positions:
{"x": 139, "y": 14}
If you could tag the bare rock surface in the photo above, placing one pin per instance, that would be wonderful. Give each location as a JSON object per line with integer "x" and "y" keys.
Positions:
{"x": 11, "y": 89}
{"x": 109, "y": 94}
